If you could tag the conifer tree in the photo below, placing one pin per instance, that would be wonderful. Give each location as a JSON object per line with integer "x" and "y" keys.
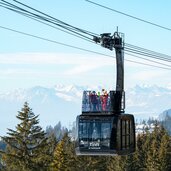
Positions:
{"x": 116, "y": 163}
{"x": 60, "y": 156}
{"x": 164, "y": 158}
{"x": 158, "y": 156}
{"x": 27, "y": 148}
{"x": 94, "y": 163}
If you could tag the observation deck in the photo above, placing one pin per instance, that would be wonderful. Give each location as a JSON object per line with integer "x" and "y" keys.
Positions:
{"x": 95, "y": 103}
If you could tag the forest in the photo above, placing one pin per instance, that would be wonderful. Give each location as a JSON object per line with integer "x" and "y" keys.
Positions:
{"x": 30, "y": 148}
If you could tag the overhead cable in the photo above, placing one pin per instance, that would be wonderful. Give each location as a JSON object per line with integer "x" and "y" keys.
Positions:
{"x": 57, "y": 20}
{"x": 149, "y": 60}
{"x": 75, "y": 47}
{"x": 51, "y": 21}
{"x": 38, "y": 15}
{"x": 146, "y": 50}
{"x": 143, "y": 53}
{"x": 128, "y": 15}
{"x": 147, "y": 64}
{"x": 81, "y": 30}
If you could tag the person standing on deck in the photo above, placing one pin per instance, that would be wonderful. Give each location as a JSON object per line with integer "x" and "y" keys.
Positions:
{"x": 104, "y": 98}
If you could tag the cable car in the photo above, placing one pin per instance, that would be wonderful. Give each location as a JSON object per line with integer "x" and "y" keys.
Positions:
{"x": 103, "y": 128}
{"x": 104, "y": 131}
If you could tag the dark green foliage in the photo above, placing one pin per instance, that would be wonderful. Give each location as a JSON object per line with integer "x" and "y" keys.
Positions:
{"x": 27, "y": 146}
{"x": 63, "y": 158}
{"x": 94, "y": 163}
{"x": 30, "y": 149}
{"x": 158, "y": 156}
{"x": 153, "y": 153}
{"x": 66, "y": 160}
{"x": 152, "y": 150}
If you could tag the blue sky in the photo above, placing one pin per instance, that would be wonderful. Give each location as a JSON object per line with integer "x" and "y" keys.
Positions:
{"x": 27, "y": 62}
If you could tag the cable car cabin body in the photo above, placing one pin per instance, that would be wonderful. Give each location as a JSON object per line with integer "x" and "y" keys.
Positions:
{"x": 104, "y": 131}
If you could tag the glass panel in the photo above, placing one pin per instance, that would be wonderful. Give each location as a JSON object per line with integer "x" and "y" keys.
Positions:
{"x": 131, "y": 134}
{"x": 128, "y": 133}
{"x": 94, "y": 134}
{"x": 127, "y": 127}
{"x": 86, "y": 101}
{"x": 106, "y": 130}
{"x": 94, "y": 130}
{"x": 83, "y": 134}
{"x": 123, "y": 133}
{"x": 123, "y": 127}
{"x": 95, "y": 102}
{"x": 83, "y": 130}
{"x": 105, "y": 135}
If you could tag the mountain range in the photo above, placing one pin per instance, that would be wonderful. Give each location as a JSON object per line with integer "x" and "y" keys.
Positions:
{"x": 63, "y": 103}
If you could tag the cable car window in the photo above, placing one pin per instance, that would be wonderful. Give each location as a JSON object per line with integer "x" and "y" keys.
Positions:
{"x": 94, "y": 130}
{"x": 132, "y": 138}
{"x": 126, "y": 134}
{"x": 94, "y": 134}
{"x": 123, "y": 133}
{"x": 106, "y": 128}
{"x": 83, "y": 134}
{"x": 86, "y": 101}
{"x": 105, "y": 134}
{"x": 83, "y": 130}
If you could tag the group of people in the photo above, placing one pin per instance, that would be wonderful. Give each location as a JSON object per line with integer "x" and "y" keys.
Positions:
{"x": 98, "y": 102}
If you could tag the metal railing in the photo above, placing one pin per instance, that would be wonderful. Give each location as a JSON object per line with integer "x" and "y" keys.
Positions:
{"x": 94, "y": 102}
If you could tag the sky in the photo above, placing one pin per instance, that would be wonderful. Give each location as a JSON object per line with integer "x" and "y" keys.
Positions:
{"x": 27, "y": 62}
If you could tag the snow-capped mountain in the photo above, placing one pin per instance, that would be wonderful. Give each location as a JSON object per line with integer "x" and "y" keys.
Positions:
{"x": 165, "y": 118}
{"x": 63, "y": 103}
{"x": 148, "y": 101}
{"x": 58, "y": 103}
{"x": 165, "y": 114}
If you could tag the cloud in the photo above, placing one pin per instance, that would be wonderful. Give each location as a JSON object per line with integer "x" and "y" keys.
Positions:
{"x": 75, "y": 66}
{"x": 76, "y": 63}
{"x": 151, "y": 76}
{"x": 50, "y": 58}
{"x": 90, "y": 65}
{"x": 146, "y": 75}
{"x": 81, "y": 69}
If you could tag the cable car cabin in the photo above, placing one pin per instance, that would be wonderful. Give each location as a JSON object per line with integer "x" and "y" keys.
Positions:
{"x": 103, "y": 131}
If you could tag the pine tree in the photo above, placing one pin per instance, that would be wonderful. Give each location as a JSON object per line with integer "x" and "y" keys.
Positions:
{"x": 164, "y": 157}
{"x": 116, "y": 163}
{"x": 27, "y": 146}
{"x": 157, "y": 156}
{"x": 60, "y": 156}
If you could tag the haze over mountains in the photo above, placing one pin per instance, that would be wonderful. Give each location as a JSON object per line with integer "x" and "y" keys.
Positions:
{"x": 63, "y": 103}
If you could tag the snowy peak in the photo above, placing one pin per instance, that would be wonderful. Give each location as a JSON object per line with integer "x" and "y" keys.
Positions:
{"x": 69, "y": 93}
{"x": 153, "y": 98}
{"x": 144, "y": 89}
{"x": 148, "y": 101}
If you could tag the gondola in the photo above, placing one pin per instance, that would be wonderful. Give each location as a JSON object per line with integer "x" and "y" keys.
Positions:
{"x": 103, "y": 128}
